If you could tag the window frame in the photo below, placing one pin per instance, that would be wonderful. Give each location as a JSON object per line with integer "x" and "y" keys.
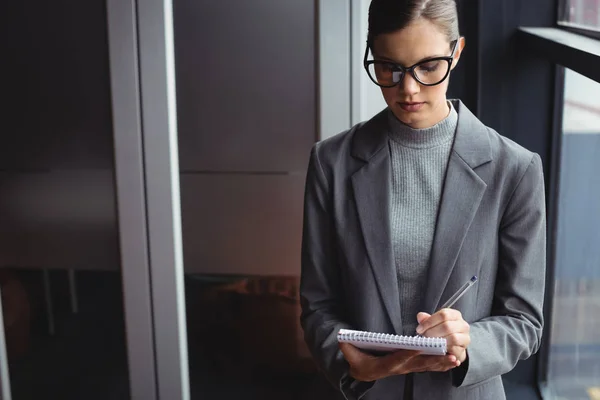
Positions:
{"x": 573, "y": 27}
{"x": 552, "y": 193}
{"x": 580, "y": 30}
{"x": 571, "y": 50}
{"x": 567, "y": 45}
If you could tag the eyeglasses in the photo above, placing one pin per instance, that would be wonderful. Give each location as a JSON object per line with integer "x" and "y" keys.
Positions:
{"x": 429, "y": 72}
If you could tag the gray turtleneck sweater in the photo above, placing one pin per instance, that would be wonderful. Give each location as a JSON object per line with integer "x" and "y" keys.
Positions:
{"x": 419, "y": 160}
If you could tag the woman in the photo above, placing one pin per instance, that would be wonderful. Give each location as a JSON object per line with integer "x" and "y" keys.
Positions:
{"x": 401, "y": 210}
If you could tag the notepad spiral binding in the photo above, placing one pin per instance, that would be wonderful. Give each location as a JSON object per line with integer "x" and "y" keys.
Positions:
{"x": 390, "y": 342}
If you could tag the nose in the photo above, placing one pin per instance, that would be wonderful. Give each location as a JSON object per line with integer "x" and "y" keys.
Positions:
{"x": 409, "y": 85}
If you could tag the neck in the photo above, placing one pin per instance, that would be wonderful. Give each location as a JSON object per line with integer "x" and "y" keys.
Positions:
{"x": 433, "y": 136}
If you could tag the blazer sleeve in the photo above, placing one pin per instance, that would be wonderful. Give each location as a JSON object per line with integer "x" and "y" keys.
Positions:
{"x": 514, "y": 330}
{"x": 320, "y": 285}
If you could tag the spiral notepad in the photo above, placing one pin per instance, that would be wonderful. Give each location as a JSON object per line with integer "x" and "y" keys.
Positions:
{"x": 384, "y": 342}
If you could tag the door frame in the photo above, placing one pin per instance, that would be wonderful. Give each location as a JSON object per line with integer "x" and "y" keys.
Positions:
{"x": 142, "y": 66}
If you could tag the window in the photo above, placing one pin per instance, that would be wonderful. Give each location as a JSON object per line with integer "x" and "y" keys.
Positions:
{"x": 580, "y": 14}
{"x": 574, "y": 357}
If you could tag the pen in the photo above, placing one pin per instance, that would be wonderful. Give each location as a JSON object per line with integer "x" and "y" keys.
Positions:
{"x": 459, "y": 293}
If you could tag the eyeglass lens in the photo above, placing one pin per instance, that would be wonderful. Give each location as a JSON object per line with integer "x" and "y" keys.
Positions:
{"x": 428, "y": 73}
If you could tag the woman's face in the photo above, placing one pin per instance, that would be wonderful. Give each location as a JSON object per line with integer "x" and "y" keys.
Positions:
{"x": 414, "y": 104}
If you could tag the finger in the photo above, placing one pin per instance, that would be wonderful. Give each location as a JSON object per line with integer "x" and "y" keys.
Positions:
{"x": 445, "y": 364}
{"x": 458, "y": 339}
{"x": 403, "y": 355}
{"x": 352, "y": 354}
{"x": 399, "y": 358}
{"x": 432, "y": 363}
{"x": 428, "y": 361}
{"x": 442, "y": 368}
{"x": 397, "y": 361}
{"x": 446, "y": 314}
{"x": 422, "y": 316}
{"x": 419, "y": 364}
{"x": 454, "y": 360}
{"x": 460, "y": 353}
{"x": 448, "y": 328}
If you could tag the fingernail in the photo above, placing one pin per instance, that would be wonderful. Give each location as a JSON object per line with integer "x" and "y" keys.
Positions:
{"x": 419, "y": 329}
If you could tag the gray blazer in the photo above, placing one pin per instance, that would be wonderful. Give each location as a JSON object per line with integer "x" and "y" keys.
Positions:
{"x": 491, "y": 224}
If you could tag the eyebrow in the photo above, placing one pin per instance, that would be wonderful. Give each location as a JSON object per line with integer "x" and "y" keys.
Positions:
{"x": 395, "y": 62}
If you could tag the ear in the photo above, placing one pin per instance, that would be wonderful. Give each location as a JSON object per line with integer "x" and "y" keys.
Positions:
{"x": 459, "y": 48}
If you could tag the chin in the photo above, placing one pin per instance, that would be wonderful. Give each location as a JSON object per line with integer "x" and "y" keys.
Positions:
{"x": 408, "y": 118}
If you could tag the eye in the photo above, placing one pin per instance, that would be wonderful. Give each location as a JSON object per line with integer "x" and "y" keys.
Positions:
{"x": 387, "y": 67}
{"x": 430, "y": 66}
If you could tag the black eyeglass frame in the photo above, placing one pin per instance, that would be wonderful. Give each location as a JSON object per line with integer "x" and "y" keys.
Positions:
{"x": 411, "y": 69}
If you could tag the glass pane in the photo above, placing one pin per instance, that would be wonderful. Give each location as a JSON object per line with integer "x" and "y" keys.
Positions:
{"x": 581, "y": 13}
{"x": 574, "y": 360}
{"x": 59, "y": 255}
{"x": 242, "y": 185}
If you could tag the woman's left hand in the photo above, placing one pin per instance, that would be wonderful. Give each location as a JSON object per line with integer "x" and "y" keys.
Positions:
{"x": 447, "y": 323}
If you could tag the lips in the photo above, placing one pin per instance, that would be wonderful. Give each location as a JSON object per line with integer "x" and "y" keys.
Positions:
{"x": 411, "y": 107}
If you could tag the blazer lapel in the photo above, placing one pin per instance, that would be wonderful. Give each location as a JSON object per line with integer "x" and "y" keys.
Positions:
{"x": 462, "y": 193}
{"x": 371, "y": 185}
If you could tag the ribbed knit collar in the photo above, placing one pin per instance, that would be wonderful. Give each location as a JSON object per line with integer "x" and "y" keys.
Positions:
{"x": 440, "y": 133}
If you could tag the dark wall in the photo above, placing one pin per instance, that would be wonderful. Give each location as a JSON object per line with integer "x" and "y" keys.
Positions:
{"x": 506, "y": 86}
{"x": 57, "y": 86}
{"x": 516, "y": 88}
{"x": 509, "y": 89}
{"x": 246, "y": 113}
{"x": 246, "y": 84}
{"x": 57, "y": 203}
{"x": 463, "y": 82}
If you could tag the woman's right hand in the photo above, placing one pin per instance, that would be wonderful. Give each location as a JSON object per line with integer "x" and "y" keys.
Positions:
{"x": 367, "y": 368}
